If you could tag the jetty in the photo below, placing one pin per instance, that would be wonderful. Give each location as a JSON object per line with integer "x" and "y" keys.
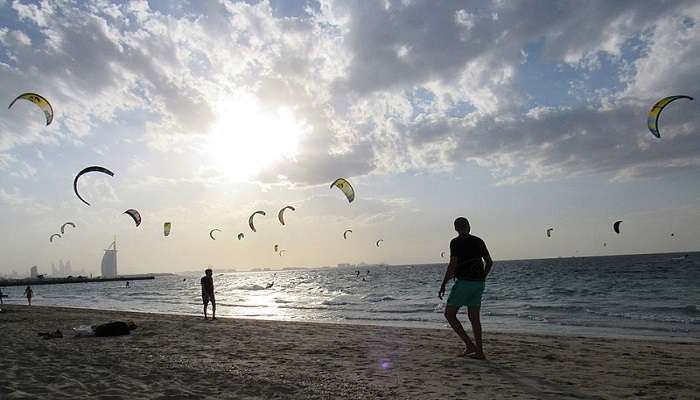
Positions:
{"x": 70, "y": 279}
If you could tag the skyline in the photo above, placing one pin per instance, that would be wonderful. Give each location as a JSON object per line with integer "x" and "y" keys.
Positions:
{"x": 519, "y": 116}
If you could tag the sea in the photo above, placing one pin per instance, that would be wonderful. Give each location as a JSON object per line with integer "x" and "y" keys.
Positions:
{"x": 642, "y": 296}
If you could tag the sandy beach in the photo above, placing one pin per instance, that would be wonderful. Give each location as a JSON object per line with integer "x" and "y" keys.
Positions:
{"x": 185, "y": 357}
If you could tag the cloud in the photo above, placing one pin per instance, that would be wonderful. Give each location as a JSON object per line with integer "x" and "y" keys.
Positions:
{"x": 381, "y": 87}
{"x": 17, "y": 201}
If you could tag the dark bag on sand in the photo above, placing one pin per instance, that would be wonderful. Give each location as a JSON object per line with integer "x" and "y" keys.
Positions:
{"x": 116, "y": 328}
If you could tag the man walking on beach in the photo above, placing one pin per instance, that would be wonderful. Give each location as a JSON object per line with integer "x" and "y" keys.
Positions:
{"x": 208, "y": 293}
{"x": 467, "y": 256}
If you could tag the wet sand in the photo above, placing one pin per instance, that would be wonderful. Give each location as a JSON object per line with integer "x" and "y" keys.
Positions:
{"x": 185, "y": 357}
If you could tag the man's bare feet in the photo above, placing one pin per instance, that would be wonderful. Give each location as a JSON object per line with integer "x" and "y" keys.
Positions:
{"x": 467, "y": 351}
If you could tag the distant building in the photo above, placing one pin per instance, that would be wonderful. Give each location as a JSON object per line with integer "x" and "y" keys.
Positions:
{"x": 109, "y": 261}
{"x": 34, "y": 272}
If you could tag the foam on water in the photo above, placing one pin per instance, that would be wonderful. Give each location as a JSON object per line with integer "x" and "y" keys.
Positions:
{"x": 644, "y": 295}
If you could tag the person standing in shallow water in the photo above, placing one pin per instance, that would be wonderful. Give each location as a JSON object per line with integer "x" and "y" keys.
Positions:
{"x": 29, "y": 293}
{"x": 470, "y": 263}
{"x": 208, "y": 293}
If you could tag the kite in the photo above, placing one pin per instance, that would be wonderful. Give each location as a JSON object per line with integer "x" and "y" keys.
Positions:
{"x": 616, "y": 226}
{"x": 250, "y": 219}
{"x": 241, "y": 236}
{"x": 655, "y": 113}
{"x": 52, "y": 236}
{"x": 379, "y": 241}
{"x": 85, "y": 171}
{"x": 63, "y": 227}
{"x": 211, "y": 233}
{"x": 549, "y": 232}
{"x": 40, "y": 101}
{"x": 166, "y": 228}
{"x": 345, "y": 234}
{"x": 345, "y": 187}
{"x": 280, "y": 215}
{"x": 135, "y": 215}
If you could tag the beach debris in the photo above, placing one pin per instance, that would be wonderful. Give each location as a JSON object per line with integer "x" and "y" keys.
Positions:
{"x": 52, "y": 237}
{"x": 549, "y": 232}
{"x": 655, "y": 113}
{"x": 166, "y": 228}
{"x": 40, "y": 101}
{"x": 616, "y": 226}
{"x": 345, "y": 234}
{"x": 345, "y": 187}
{"x": 379, "y": 242}
{"x": 280, "y": 214}
{"x": 83, "y": 330}
{"x": 51, "y": 335}
{"x": 211, "y": 233}
{"x": 94, "y": 168}
{"x": 135, "y": 215}
{"x": 241, "y": 236}
{"x": 250, "y": 219}
{"x": 63, "y": 227}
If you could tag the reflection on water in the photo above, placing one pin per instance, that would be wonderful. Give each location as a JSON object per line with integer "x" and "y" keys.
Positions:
{"x": 652, "y": 295}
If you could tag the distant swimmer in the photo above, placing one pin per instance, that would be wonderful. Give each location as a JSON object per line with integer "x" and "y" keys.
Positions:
{"x": 358, "y": 273}
{"x": 364, "y": 280}
{"x": 208, "y": 293}
{"x": 467, "y": 256}
{"x": 29, "y": 293}
{"x": 127, "y": 283}
{"x": 1, "y": 296}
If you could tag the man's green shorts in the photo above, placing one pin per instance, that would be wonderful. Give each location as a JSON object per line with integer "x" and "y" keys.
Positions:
{"x": 466, "y": 293}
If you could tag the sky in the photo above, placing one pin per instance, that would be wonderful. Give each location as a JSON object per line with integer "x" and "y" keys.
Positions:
{"x": 519, "y": 115}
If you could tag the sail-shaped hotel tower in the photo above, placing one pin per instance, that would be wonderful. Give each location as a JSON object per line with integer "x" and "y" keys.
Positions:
{"x": 109, "y": 261}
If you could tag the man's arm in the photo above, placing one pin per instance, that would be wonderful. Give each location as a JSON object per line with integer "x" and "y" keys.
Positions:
{"x": 488, "y": 263}
{"x": 449, "y": 273}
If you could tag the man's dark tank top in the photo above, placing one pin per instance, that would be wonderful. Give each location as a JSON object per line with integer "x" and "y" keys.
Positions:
{"x": 469, "y": 251}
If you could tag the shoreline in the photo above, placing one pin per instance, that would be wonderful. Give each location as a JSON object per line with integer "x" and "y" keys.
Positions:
{"x": 565, "y": 330}
{"x": 179, "y": 356}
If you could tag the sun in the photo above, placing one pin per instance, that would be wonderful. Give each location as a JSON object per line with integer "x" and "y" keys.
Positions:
{"x": 247, "y": 137}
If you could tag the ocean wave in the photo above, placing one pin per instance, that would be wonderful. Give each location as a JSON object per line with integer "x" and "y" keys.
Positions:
{"x": 337, "y": 303}
{"x": 249, "y": 287}
{"x": 405, "y": 311}
{"x": 557, "y": 308}
{"x": 640, "y": 316}
{"x": 408, "y": 319}
{"x": 374, "y": 299}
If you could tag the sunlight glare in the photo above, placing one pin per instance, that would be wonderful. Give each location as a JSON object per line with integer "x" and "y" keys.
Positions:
{"x": 246, "y": 137}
